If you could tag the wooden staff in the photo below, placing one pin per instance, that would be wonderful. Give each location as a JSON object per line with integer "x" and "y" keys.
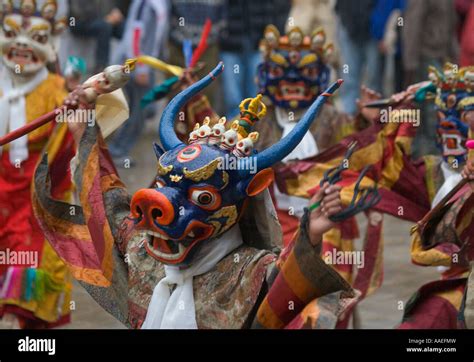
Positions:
{"x": 30, "y": 127}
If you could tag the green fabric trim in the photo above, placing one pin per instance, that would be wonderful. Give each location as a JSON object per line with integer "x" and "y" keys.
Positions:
{"x": 420, "y": 95}
{"x": 36, "y": 283}
{"x": 158, "y": 92}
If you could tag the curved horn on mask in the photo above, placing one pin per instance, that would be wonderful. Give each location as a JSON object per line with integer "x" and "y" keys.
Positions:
{"x": 280, "y": 150}
{"x": 168, "y": 137}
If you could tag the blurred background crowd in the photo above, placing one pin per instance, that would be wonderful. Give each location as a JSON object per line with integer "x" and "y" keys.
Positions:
{"x": 384, "y": 44}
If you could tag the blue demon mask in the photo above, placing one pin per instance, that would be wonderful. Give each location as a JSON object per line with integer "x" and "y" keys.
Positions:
{"x": 202, "y": 187}
{"x": 455, "y": 110}
{"x": 294, "y": 70}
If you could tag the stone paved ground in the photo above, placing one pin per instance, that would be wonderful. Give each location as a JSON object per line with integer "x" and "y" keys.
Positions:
{"x": 377, "y": 311}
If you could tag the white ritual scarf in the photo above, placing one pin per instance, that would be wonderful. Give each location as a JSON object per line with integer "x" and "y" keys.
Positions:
{"x": 176, "y": 310}
{"x": 451, "y": 179}
{"x": 13, "y": 110}
{"x": 307, "y": 147}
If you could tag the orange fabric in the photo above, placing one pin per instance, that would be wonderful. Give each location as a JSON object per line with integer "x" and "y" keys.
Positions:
{"x": 267, "y": 317}
{"x": 19, "y": 229}
{"x": 300, "y": 285}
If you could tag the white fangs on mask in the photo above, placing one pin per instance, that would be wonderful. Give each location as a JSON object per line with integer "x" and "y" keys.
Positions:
{"x": 158, "y": 235}
{"x": 160, "y": 254}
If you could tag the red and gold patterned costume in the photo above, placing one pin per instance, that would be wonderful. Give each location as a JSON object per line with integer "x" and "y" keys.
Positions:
{"x": 293, "y": 72}
{"x": 35, "y": 284}
{"x": 408, "y": 188}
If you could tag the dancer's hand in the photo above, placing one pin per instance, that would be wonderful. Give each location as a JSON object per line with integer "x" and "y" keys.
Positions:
{"x": 468, "y": 170}
{"x": 368, "y": 95}
{"x": 77, "y": 99}
{"x": 330, "y": 203}
{"x": 408, "y": 95}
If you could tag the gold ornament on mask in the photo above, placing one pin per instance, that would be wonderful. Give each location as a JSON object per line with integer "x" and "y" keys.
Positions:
{"x": 230, "y": 213}
{"x": 203, "y": 173}
{"x": 175, "y": 178}
{"x": 164, "y": 170}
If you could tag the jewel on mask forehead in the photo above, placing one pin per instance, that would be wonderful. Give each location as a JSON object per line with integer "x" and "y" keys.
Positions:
{"x": 175, "y": 178}
{"x": 189, "y": 153}
{"x": 451, "y": 100}
{"x": 294, "y": 57}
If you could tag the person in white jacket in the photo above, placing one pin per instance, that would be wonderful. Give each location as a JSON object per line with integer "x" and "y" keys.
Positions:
{"x": 145, "y": 32}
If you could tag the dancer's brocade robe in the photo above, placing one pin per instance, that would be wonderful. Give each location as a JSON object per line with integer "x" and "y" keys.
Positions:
{"x": 328, "y": 129}
{"x": 407, "y": 188}
{"x": 250, "y": 287}
{"x": 39, "y": 296}
{"x": 444, "y": 237}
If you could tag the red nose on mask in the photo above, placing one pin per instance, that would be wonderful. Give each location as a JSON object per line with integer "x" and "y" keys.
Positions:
{"x": 151, "y": 207}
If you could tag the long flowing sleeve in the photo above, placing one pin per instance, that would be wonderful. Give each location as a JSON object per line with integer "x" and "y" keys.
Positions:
{"x": 443, "y": 238}
{"x": 385, "y": 146}
{"x": 304, "y": 292}
{"x": 90, "y": 238}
